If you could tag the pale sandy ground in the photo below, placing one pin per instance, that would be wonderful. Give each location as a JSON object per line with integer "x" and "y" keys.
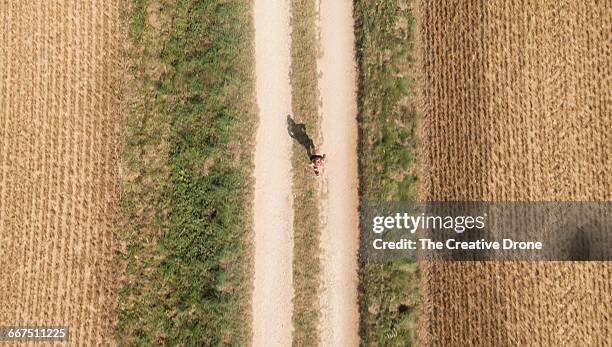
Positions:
{"x": 273, "y": 217}
{"x": 339, "y": 310}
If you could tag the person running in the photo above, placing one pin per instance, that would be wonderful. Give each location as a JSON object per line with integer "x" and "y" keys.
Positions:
{"x": 316, "y": 163}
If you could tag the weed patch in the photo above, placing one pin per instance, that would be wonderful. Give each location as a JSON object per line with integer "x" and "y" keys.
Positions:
{"x": 388, "y": 292}
{"x": 187, "y": 174}
{"x": 306, "y": 226}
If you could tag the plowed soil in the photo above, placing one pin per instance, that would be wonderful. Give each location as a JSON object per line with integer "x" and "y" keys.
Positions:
{"x": 515, "y": 105}
{"x": 59, "y": 73}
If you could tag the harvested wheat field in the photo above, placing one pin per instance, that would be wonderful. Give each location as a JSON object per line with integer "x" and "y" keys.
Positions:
{"x": 515, "y": 104}
{"x": 59, "y": 115}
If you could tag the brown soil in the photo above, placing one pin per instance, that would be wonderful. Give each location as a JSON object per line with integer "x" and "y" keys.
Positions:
{"x": 515, "y": 105}
{"x": 59, "y": 113}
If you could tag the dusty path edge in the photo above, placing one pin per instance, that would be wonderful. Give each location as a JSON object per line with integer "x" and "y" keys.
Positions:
{"x": 338, "y": 90}
{"x": 272, "y": 208}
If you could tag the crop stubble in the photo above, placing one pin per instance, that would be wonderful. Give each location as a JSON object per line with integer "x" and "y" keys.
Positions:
{"x": 59, "y": 114}
{"x": 514, "y": 104}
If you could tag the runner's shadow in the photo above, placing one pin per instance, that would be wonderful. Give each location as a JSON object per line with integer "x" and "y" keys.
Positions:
{"x": 298, "y": 132}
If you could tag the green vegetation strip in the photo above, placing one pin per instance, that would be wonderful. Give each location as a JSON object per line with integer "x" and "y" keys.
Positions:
{"x": 305, "y": 99}
{"x": 388, "y": 295}
{"x": 187, "y": 174}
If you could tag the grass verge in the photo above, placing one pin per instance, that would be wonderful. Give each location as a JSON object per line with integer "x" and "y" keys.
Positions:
{"x": 306, "y": 225}
{"x": 187, "y": 174}
{"x": 389, "y": 292}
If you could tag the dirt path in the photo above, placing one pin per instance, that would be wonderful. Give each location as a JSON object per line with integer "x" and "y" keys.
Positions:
{"x": 340, "y": 316}
{"x": 273, "y": 217}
